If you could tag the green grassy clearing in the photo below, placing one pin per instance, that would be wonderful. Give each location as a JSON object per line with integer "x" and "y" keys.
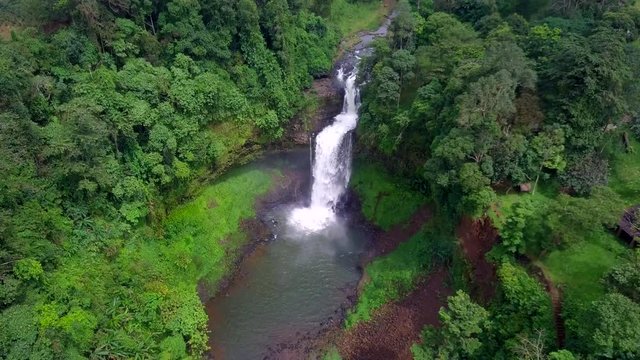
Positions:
{"x": 332, "y": 354}
{"x": 625, "y": 171}
{"x": 578, "y": 271}
{"x": 502, "y": 208}
{"x": 351, "y": 18}
{"x": 201, "y": 232}
{"x": 386, "y": 200}
{"x": 579, "y": 268}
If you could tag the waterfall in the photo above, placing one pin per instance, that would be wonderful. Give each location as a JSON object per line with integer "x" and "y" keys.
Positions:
{"x": 332, "y": 166}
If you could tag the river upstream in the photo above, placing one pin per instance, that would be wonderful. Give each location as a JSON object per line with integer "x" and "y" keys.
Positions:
{"x": 291, "y": 288}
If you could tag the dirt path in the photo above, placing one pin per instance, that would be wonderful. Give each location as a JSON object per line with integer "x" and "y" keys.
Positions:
{"x": 476, "y": 238}
{"x": 397, "y": 326}
{"x": 556, "y": 302}
{"x": 386, "y": 242}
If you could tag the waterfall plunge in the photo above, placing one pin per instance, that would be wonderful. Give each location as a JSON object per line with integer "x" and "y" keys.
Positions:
{"x": 332, "y": 167}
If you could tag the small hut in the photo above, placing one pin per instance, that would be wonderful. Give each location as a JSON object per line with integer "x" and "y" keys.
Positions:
{"x": 629, "y": 226}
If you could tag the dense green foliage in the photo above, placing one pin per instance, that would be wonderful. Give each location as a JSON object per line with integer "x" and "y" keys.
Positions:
{"x": 386, "y": 200}
{"x": 463, "y": 323}
{"x": 520, "y": 316}
{"x": 471, "y": 100}
{"x": 625, "y": 278}
{"x": 109, "y": 112}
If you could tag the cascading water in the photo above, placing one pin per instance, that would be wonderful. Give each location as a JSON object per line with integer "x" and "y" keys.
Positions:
{"x": 332, "y": 167}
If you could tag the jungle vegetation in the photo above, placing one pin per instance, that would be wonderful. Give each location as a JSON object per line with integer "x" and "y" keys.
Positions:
{"x": 526, "y": 113}
{"x": 111, "y": 111}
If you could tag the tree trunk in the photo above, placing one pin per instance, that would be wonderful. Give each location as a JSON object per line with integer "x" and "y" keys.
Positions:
{"x": 535, "y": 184}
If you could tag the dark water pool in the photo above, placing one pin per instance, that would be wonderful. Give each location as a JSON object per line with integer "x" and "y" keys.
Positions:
{"x": 289, "y": 286}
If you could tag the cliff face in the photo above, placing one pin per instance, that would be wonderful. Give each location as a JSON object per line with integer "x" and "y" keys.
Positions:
{"x": 312, "y": 119}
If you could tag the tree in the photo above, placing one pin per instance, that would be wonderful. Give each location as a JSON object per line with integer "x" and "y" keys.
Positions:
{"x": 450, "y": 44}
{"x": 617, "y": 327}
{"x": 402, "y": 26}
{"x": 586, "y": 172}
{"x": 183, "y": 25}
{"x": 512, "y": 232}
{"x": 388, "y": 92}
{"x": 591, "y": 7}
{"x": 510, "y": 162}
{"x": 403, "y": 62}
{"x": 625, "y": 278}
{"x": 275, "y": 18}
{"x": 531, "y": 348}
{"x": 507, "y": 55}
{"x": 473, "y": 10}
{"x": 584, "y": 79}
{"x": 524, "y": 306}
{"x": 571, "y": 218}
{"x": 478, "y": 196}
{"x": 548, "y": 152}
{"x": 423, "y": 7}
{"x": 464, "y": 324}
{"x": 561, "y": 355}
{"x": 486, "y": 107}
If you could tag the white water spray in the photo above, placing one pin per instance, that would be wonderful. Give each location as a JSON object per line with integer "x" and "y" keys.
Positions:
{"x": 332, "y": 167}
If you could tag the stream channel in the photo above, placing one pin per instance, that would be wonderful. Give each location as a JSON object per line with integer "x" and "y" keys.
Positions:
{"x": 296, "y": 285}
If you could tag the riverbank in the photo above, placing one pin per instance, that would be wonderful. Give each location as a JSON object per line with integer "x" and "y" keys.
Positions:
{"x": 324, "y": 102}
{"x": 401, "y": 272}
{"x": 289, "y": 288}
{"x": 397, "y": 325}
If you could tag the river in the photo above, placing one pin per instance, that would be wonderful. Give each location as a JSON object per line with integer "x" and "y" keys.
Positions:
{"x": 298, "y": 284}
{"x": 290, "y": 288}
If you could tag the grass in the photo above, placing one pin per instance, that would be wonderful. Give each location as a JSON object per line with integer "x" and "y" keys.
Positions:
{"x": 579, "y": 268}
{"x": 386, "y": 200}
{"x": 352, "y": 18}
{"x": 391, "y": 277}
{"x": 203, "y": 231}
{"x": 502, "y": 209}
{"x": 332, "y": 354}
{"x": 625, "y": 171}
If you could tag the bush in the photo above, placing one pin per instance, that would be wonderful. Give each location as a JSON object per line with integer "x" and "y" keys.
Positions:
{"x": 625, "y": 279}
{"x": 28, "y": 269}
{"x": 585, "y": 172}
{"x": 464, "y": 326}
{"x": 617, "y": 328}
{"x": 523, "y": 306}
